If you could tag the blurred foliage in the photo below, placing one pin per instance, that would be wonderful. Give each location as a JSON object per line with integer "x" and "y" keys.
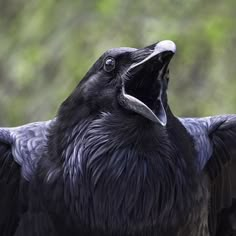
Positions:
{"x": 47, "y": 46}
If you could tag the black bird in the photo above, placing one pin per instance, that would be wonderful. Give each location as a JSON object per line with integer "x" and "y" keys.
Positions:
{"x": 116, "y": 162}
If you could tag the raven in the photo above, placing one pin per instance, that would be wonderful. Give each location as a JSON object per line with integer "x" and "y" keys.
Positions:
{"x": 115, "y": 161}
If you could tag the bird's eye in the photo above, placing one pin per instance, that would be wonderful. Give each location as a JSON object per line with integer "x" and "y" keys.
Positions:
{"x": 109, "y": 64}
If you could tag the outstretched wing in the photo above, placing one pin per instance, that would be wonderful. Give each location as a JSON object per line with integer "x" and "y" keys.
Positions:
{"x": 215, "y": 142}
{"x": 20, "y": 150}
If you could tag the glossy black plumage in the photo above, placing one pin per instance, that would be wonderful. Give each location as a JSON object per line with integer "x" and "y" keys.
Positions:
{"x": 116, "y": 161}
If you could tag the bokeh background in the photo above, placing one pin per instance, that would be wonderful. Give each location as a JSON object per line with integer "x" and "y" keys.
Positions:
{"x": 47, "y": 46}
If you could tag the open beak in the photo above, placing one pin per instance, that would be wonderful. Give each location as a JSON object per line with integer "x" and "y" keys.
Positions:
{"x": 142, "y": 90}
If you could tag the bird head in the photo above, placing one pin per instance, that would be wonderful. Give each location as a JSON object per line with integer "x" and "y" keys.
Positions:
{"x": 131, "y": 79}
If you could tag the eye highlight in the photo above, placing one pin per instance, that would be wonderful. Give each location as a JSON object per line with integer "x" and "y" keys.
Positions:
{"x": 109, "y": 64}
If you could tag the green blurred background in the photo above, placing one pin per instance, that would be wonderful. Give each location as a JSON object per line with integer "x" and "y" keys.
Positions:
{"x": 47, "y": 46}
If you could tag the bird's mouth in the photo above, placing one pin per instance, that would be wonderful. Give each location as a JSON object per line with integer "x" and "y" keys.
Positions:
{"x": 142, "y": 88}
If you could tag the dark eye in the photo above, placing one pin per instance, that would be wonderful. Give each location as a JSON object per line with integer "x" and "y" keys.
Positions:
{"x": 109, "y": 64}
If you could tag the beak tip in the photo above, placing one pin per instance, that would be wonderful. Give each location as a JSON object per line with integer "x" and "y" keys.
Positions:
{"x": 165, "y": 45}
{"x": 163, "y": 123}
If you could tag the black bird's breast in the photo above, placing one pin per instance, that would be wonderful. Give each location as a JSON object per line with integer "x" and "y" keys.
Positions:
{"x": 127, "y": 179}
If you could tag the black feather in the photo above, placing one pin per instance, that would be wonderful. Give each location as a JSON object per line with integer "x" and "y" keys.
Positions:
{"x": 9, "y": 185}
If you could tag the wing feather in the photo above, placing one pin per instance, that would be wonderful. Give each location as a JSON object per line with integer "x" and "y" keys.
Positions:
{"x": 20, "y": 150}
{"x": 9, "y": 188}
{"x": 215, "y": 142}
